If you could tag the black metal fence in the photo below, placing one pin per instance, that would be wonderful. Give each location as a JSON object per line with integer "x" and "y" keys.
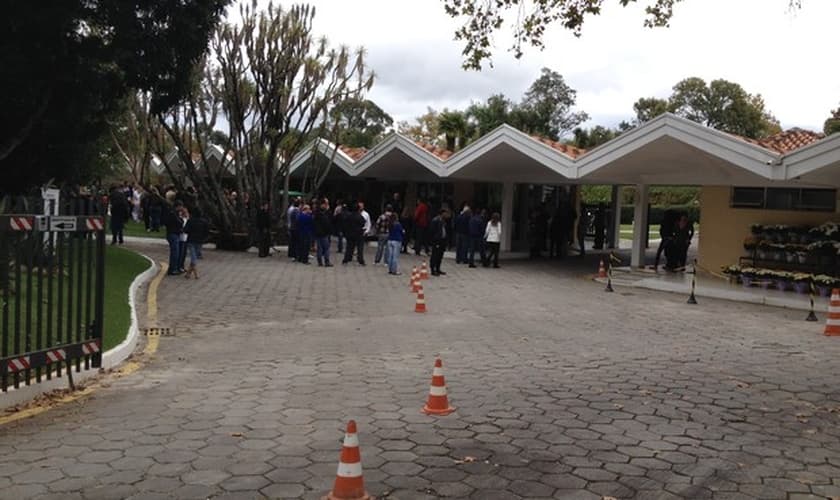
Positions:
{"x": 52, "y": 281}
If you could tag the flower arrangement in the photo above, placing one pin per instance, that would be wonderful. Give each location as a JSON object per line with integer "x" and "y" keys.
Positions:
{"x": 822, "y": 247}
{"x": 733, "y": 270}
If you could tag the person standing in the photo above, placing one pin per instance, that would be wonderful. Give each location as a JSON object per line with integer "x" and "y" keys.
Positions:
{"x": 197, "y": 230}
{"x": 292, "y": 225}
{"x": 583, "y": 225}
{"x": 354, "y": 231}
{"x": 338, "y": 224}
{"x": 684, "y": 234}
{"x": 184, "y": 214}
{"x": 306, "y": 229}
{"x": 493, "y": 237}
{"x": 396, "y": 204}
{"x": 383, "y": 231}
{"x": 395, "y": 238}
{"x": 368, "y": 229}
{"x": 263, "y": 223}
{"x": 478, "y": 222}
{"x": 462, "y": 235}
{"x": 421, "y": 225}
{"x": 406, "y": 223}
{"x": 438, "y": 233}
{"x": 323, "y": 230}
{"x": 667, "y": 233}
{"x": 174, "y": 228}
{"x": 120, "y": 212}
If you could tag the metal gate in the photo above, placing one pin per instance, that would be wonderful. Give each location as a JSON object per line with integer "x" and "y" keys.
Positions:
{"x": 52, "y": 282}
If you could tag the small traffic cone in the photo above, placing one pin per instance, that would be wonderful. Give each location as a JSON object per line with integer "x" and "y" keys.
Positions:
{"x": 424, "y": 271}
{"x": 832, "y": 323}
{"x": 602, "y": 271}
{"x": 438, "y": 402}
{"x": 349, "y": 483}
{"x": 414, "y": 277}
{"x": 416, "y": 285}
{"x": 420, "y": 304}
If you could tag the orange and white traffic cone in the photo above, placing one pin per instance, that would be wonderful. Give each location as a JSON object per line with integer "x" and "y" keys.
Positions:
{"x": 420, "y": 304}
{"x": 602, "y": 271}
{"x": 349, "y": 483}
{"x": 417, "y": 285}
{"x": 415, "y": 276}
{"x": 424, "y": 271}
{"x": 832, "y": 323}
{"x": 438, "y": 402}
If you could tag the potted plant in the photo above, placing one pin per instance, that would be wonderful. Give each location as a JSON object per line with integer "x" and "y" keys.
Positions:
{"x": 821, "y": 248}
{"x": 732, "y": 272}
{"x": 751, "y": 243}
{"x": 790, "y": 253}
{"x": 764, "y": 277}
{"x": 782, "y": 280}
{"x": 824, "y": 284}
{"x": 747, "y": 276}
{"x": 801, "y": 282}
{"x": 764, "y": 249}
{"x": 802, "y": 256}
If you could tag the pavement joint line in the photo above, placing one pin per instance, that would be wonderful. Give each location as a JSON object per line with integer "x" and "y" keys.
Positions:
{"x": 126, "y": 369}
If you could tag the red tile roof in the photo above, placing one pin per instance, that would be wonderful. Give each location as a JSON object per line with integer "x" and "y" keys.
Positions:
{"x": 355, "y": 154}
{"x": 790, "y": 140}
{"x": 570, "y": 151}
{"x": 441, "y": 153}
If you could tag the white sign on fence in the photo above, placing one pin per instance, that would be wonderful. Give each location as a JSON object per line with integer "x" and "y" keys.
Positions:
{"x": 62, "y": 223}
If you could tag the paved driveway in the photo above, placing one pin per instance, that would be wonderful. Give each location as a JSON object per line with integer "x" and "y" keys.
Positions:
{"x": 562, "y": 391}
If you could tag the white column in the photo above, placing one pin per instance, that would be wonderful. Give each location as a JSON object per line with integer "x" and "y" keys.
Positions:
{"x": 616, "y": 207}
{"x": 640, "y": 226}
{"x": 507, "y": 215}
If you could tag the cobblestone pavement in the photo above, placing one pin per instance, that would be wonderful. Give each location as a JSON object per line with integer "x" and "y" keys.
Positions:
{"x": 562, "y": 391}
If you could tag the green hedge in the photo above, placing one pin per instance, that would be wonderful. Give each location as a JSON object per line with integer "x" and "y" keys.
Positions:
{"x": 657, "y": 212}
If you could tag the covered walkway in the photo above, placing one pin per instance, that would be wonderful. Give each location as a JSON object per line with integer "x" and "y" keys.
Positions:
{"x": 668, "y": 151}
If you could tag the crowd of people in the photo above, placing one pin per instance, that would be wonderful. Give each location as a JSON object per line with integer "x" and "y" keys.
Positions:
{"x": 474, "y": 234}
{"x": 312, "y": 226}
{"x": 176, "y": 213}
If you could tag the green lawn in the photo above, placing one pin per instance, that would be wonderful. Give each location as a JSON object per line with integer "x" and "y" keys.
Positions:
{"x": 121, "y": 267}
{"x": 138, "y": 229}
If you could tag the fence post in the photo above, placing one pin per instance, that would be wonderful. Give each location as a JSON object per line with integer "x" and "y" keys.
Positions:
{"x": 99, "y": 308}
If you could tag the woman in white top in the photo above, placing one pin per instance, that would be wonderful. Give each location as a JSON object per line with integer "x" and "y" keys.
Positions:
{"x": 493, "y": 237}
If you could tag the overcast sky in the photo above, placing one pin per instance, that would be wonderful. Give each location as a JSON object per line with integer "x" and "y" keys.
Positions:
{"x": 785, "y": 56}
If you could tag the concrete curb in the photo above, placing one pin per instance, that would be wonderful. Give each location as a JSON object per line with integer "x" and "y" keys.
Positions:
{"x": 110, "y": 358}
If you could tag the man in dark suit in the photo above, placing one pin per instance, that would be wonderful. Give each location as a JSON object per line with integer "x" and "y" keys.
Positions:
{"x": 437, "y": 230}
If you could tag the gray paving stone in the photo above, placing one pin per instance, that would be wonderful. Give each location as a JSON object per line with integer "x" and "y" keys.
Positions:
{"x": 583, "y": 401}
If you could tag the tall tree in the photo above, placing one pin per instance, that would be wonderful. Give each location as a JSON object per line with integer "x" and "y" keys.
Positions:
{"x": 594, "y": 137}
{"x": 276, "y": 85}
{"x": 424, "y": 129}
{"x": 487, "y": 116}
{"x": 648, "y": 108}
{"x": 548, "y": 104}
{"x": 532, "y": 18}
{"x": 453, "y": 126}
{"x": 360, "y": 122}
{"x": 68, "y": 67}
{"x": 832, "y": 124}
{"x": 723, "y": 105}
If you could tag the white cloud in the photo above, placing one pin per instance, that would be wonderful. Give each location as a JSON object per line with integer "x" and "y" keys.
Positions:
{"x": 785, "y": 56}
